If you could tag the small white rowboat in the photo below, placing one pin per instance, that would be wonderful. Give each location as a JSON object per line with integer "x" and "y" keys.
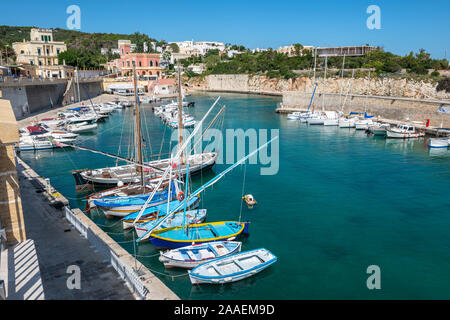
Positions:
{"x": 191, "y": 256}
{"x": 232, "y": 268}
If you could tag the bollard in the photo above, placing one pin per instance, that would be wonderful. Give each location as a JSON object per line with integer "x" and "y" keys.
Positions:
{"x": 2, "y": 290}
{"x": 48, "y": 187}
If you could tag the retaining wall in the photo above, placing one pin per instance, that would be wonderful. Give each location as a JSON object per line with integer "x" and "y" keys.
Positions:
{"x": 28, "y": 98}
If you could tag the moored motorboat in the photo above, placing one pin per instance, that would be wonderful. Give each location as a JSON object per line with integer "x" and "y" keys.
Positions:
{"x": 404, "y": 132}
{"x": 191, "y": 256}
{"x": 438, "y": 142}
{"x": 232, "y": 268}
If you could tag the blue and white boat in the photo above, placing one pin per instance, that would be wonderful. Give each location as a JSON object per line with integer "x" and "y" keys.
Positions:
{"x": 232, "y": 268}
{"x": 200, "y": 233}
{"x": 120, "y": 206}
{"x": 156, "y": 212}
{"x": 191, "y": 256}
{"x": 177, "y": 220}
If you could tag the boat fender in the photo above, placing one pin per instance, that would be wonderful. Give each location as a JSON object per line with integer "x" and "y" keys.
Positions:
{"x": 180, "y": 196}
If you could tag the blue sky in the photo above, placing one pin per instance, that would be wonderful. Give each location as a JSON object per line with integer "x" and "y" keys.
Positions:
{"x": 405, "y": 25}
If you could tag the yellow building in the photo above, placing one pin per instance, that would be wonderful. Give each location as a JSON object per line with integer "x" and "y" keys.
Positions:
{"x": 42, "y": 51}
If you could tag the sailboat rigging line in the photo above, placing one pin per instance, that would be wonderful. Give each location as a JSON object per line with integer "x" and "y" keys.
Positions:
{"x": 177, "y": 156}
{"x": 203, "y": 187}
{"x": 350, "y": 88}
{"x": 210, "y": 124}
{"x": 162, "y": 142}
{"x": 314, "y": 91}
{"x": 242, "y": 195}
{"x": 113, "y": 156}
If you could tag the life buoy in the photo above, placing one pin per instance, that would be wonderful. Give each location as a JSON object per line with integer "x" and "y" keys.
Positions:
{"x": 180, "y": 196}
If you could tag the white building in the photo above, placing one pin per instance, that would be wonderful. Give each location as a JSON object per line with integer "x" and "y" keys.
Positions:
{"x": 191, "y": 47}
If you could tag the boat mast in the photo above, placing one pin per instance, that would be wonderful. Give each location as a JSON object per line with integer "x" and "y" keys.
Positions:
{"x": 324, "y": 84}
{"x": 138, "y": 141}
{"x": 342, "y": 77}
{"x": 180, "y": 115}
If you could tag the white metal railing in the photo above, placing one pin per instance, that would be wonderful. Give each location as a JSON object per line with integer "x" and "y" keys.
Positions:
{"x": 126, "y": 273}
{"x": 2, "y": 238}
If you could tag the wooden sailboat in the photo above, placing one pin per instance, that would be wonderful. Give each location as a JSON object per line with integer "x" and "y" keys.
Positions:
{"x": 131, "y": 173}
{"x": 198, "y": 233}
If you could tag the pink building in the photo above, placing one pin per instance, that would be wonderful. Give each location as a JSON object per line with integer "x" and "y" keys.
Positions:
{"x": 146, "y": 63}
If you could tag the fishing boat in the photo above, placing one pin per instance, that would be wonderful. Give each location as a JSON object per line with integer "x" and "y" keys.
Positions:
{"x": 197, "y": 233}
{"x": 155, "y": 212}
{"x": 122, "y": 206}
{"x": 139, "y": 171}
{"x": 130, "y": 173}
{"x": 404, "y": 132}
{"x": 191, "y": 256}
{"x": 178, "y": 219}
{"x": 128, "y": 190}
{"x": 438, "y": 142}
{"x": 232, "y": 268}
{"x": 378, "y": 129}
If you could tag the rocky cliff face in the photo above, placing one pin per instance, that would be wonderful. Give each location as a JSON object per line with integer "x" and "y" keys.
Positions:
{"x": 377, "y": 87}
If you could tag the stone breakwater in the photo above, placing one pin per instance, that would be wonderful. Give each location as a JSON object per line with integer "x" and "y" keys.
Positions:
{"x": 396, "y": 99}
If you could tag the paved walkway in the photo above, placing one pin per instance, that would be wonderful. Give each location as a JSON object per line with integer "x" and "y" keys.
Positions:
{"x": 38, "y": 269}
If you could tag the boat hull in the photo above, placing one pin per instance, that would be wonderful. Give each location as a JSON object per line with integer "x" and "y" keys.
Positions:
{"x": 438, "y": 143}
{"x": 170, "y": 261}
{"x": 159, "y": 240}
{"x": 198, "y": 276}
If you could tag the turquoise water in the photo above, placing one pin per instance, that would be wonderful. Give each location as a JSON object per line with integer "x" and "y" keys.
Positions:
{"x": 341, "y": 201}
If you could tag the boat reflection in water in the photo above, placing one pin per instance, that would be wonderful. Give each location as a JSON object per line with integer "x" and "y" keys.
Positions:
{"x": 405, "y": 145}
{"x": 438, "y": 152}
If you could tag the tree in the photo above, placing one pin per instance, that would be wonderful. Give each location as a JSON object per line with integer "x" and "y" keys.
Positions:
{"x": 298, "y": 48}
{"x": 174, "y": 47}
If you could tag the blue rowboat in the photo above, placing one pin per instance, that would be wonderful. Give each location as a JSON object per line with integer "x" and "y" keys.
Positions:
{"x": 158, "y": 211}
{"x": 191, "y": 256}
{"x": 232, "y": 268}
{"x": 178, "y": 237}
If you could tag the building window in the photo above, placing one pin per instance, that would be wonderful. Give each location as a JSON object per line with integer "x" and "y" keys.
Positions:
{"x": 128, "y": 63}
{"x": 156, "y": 63}
{"x": 40, "y": 62}
{"x": 57, "y": 51}
{"x": 31, "y": 62}
{"x": 39, "y": 51}
{"x": 22, "y": 52}
{"x": 151, "y": 63}
{"x": 140, "y": 64}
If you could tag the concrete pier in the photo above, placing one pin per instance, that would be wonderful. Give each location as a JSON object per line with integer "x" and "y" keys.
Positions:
{"x": 56, "y": 245}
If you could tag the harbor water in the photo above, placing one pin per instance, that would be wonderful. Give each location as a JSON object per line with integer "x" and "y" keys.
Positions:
{"x": 340, "y": 202}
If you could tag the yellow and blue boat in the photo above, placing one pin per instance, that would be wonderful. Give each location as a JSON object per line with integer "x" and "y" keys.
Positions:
{"x": 178, "y": 237}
